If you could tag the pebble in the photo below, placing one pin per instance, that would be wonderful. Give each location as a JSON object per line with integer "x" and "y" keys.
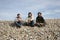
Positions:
{"x": 49, "y": 32}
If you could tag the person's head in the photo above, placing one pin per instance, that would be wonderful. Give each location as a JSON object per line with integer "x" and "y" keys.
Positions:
{"x": 29, "y": 14}
{"x": 18, "y": 15}
{"x": 39, "y": 14}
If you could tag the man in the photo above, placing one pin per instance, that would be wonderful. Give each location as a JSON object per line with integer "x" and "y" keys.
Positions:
{"x": 40, "y": 20}
{"x": 30, "y": 20}
{"x": 18, "y": 21}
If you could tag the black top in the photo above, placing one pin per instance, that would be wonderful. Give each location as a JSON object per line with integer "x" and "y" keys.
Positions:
{"x": 40, "y": 19}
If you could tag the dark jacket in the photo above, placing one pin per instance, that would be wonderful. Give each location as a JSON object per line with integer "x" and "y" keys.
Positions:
{"x": 40, "y": 20}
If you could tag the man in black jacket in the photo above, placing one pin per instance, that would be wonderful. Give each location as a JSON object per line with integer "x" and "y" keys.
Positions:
{"x": 40, "y": 20}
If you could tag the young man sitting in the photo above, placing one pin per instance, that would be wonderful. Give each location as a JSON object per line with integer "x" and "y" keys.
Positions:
{"x": 18, "y": 21}
{"x": 40, "y": 20}
{"x": 30, "y": 20}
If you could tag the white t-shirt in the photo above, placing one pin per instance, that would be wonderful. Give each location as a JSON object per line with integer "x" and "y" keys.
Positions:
{"x": 18, "y": 19}
{"x": 29, "y": 18}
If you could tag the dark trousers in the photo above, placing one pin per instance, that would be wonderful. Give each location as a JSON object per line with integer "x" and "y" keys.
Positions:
{"x": 18, "y": 24}
{"x": 30, "y": 24}
{"x": 38, "y": 24}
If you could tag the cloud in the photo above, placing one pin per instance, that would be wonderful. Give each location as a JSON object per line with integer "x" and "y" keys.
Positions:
{"x": 12, "y": 7}
{"x": 57, "y": 11}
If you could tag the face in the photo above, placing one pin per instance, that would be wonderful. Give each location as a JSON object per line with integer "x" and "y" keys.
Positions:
{"x": 29, "y": 14}
{"x": 39, "y": 15}
{"x": 18, "y": 15}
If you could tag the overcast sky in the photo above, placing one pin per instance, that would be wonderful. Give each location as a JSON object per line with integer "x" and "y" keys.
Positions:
{"x": 48, "y": 8}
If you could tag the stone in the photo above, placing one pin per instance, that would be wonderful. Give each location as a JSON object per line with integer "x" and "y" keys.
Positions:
{"x": 49, "y": 32}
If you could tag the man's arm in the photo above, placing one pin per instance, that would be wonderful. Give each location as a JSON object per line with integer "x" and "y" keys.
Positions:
{"x": 32, "y": 18}
{"x": 36, "y": 19}
{"x": 43, "y": 20}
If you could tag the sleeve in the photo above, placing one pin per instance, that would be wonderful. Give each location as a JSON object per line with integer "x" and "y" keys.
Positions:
{"x": 32, "y": 18}
{"x": 43, "y": 20}
{"x": 19, "y": 19}
{"x": 36, "y": 19}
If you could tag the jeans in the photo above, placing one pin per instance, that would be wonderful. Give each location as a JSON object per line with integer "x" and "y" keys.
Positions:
{"x": 30, "y": 24}
{"x": 18, "y": 24}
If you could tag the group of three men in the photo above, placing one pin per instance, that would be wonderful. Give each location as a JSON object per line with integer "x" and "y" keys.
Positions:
{"x": 30, "y": 20}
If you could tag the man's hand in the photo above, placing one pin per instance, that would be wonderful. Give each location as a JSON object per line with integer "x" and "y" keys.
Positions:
{"x": 42, "y": 24}
{"x": 29, "y": 21}
{"x": 18, "y": 19}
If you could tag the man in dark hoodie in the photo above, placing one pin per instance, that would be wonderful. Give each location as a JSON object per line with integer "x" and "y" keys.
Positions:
{"x": 40, "y": 20}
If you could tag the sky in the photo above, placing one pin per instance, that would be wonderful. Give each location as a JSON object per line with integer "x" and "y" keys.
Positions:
{"x": 48, "y": 8}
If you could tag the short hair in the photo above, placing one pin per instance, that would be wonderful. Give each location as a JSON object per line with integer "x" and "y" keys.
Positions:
{"x": 29, "y": 13}
{"x": 18, "y": 14}
{"x": 39, "y": 13}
